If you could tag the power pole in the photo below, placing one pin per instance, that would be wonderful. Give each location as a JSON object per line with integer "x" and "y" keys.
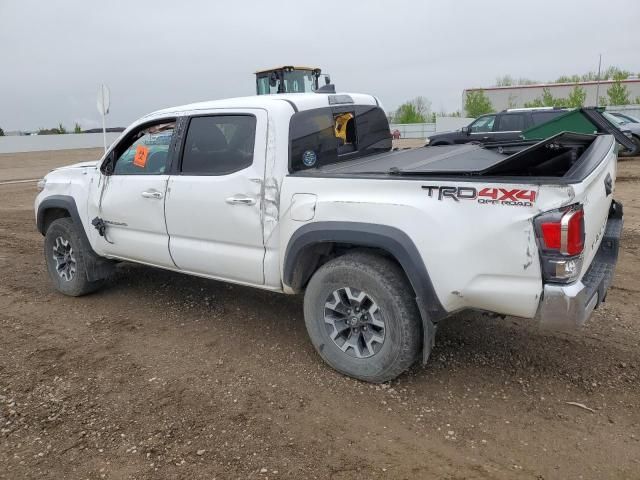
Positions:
{"x": 598, "y": 80}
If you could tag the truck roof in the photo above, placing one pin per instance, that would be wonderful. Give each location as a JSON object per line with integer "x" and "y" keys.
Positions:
{"x": 299, "y": 101}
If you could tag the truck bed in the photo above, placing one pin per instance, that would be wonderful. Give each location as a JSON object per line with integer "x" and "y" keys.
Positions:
{"x": 568, "y": 156}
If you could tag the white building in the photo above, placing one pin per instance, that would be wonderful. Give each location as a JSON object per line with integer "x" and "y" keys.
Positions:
{"x": 516, "y": 96}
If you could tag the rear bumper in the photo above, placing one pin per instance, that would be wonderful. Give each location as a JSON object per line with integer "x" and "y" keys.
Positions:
{"x": 569, "y": 306}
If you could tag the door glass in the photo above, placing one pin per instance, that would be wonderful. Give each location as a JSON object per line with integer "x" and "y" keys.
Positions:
{"x": 483, "y": 124}
{"x": 219, "y": 145}
{"x": 513, "y": 122}
{"x": 148, "y": 152}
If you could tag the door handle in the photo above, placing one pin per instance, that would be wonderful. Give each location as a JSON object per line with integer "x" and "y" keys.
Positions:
{"x": 152, "y": 194}
{"x": 241, "y": 200}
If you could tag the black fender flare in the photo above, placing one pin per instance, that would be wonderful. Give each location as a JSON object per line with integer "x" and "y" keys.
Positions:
{"x": 390, "y": 239}
{"x": 97, "y": 267}
{"x": 64, "y": 202}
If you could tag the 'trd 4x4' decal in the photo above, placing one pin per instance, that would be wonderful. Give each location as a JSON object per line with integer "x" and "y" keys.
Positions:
{"x": 485, "y": 195}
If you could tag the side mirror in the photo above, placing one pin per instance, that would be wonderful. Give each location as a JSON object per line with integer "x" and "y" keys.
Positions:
{"x": 109, "y": 163}
{"x": 466, "y": 130}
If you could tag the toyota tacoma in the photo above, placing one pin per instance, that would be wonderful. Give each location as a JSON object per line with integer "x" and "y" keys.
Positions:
{"x": 304, "y": 194}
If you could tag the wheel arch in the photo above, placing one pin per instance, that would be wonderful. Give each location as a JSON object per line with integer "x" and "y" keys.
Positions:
{"x": 53, "y": 208}
{"x": 64, "y": 206}
{"x": 308, "y": 245}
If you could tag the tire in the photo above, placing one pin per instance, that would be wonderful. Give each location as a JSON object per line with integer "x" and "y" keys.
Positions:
{"x": 384, "y": 285}
{"x": 65, "y": 254}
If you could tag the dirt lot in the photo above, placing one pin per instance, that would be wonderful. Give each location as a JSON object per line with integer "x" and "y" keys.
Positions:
{"x": 160, "y": 375}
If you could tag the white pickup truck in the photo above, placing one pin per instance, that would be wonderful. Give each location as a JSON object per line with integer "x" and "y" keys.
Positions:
{"x": 303, "y": 193}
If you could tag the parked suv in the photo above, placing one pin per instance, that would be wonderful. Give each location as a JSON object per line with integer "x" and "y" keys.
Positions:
{"x": 496, "y": 127}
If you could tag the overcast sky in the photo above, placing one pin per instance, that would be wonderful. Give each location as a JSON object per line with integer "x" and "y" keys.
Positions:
{"x": 155, "y": 54}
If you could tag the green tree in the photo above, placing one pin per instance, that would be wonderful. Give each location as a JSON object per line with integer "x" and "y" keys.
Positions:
{"x": 77, "y": 128}
{"x": 504, "y": 81}
{"x": 1, "y": 132}
{"x": 48, "y": 131}
{"x": 61, "y": 129}
{"x": 476, "y": 103}
{"x": 407, "y": 113}
{"x": 577, "y": 97}
{"x": 617, "y": 92}
{"x": 537, "y": 103}
{"x": 413, "y": 111}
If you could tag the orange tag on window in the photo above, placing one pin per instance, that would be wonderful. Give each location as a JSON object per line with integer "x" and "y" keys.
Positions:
{"x": 140, "y": 159}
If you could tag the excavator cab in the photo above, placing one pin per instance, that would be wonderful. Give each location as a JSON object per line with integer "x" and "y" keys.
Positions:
{"x": 288, "y": 79}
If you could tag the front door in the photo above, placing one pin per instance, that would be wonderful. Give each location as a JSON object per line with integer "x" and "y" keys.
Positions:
{"x": 214, "y": 197}
{"x": 130, "y": 200}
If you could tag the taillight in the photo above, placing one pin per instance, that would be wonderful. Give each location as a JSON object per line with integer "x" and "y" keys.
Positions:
{"x": 561, "y": 240}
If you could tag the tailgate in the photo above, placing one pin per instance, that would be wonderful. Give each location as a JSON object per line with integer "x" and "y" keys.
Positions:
{"x": 595, "y": 193}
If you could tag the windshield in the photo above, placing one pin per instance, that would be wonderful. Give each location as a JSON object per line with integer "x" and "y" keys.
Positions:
{"x": 613, "y": 119}
{"x": 296, "y": 81}
{"x": 626, "y": 118}
{"x": 299, "y": 81}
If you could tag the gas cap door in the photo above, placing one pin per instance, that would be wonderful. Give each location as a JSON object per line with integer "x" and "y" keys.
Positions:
{"x": 303, "y": 206}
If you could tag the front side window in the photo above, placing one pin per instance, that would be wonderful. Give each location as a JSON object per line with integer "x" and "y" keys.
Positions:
{"x": 219, "y": 145}
{"x": 483, "y": 124}
{"x": 146, "y": 152}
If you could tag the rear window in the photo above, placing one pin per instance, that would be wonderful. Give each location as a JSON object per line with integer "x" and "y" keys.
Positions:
{"x": 218, "y": 144}
{"x": 332, "y": 134}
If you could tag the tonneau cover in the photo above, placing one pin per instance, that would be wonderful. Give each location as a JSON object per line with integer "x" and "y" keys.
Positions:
{"x": 519, "y": 158}
{"x": 449, "y": 158}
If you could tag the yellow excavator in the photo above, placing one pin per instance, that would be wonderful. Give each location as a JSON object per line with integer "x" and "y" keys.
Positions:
{"x": 290, "y": 79}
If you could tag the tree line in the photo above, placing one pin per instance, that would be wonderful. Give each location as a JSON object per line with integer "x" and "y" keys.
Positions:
{"x": 477, "y": 103}
{"x": 59, "y": 130}
{"x": 418, "y": 110}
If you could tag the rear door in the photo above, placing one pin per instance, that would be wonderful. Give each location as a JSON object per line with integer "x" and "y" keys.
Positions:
{"x": 509, "y": 126}
{"x": 214, "y": 197}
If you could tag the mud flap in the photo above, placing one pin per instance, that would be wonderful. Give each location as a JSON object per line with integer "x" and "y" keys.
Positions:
{"x": 428, "y": 331}
{"x": 97, "y": 267}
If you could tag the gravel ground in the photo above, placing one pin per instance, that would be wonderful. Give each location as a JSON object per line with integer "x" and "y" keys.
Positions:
{"x": 164, "y": 376}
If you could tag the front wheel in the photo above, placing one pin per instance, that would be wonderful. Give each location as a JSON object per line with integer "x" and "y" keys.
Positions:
{"x": 65, "y": 255}
{"x": 362, "y": 317}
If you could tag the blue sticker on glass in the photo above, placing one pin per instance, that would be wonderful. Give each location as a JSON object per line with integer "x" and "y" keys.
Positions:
{"x": 309, "y": 158}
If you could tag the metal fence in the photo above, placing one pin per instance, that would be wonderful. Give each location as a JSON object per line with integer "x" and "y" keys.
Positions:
{"x": 35, "y": 143}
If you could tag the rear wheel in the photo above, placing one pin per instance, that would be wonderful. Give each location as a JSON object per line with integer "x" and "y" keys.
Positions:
{"x": 65, "y": 255}
{"x": 362, "y": 317}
